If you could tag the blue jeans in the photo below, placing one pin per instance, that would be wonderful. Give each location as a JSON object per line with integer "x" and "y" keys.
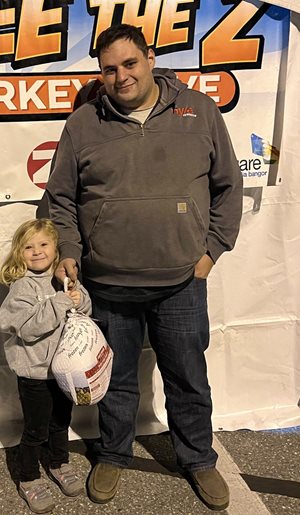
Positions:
{"x": 178, "y": 331}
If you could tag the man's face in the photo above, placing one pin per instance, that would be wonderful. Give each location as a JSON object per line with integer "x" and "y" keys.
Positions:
{"x": 127, "y": 75}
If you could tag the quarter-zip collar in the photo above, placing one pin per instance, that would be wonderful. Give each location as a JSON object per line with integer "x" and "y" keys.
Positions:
{"x": 169, "y": 89}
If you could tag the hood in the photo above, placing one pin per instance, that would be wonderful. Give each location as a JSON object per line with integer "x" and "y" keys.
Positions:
{"x": 40, "y": 277}
{"x": 31, "y": 273}
{"x": 170, "y": 87}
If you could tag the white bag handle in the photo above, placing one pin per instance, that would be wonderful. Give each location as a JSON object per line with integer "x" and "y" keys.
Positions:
{"x": 66, "y": 289}
{"x": 66, "y": 283}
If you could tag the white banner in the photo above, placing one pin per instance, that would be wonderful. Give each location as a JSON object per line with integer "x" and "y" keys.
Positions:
{"x": 246, "y": 56}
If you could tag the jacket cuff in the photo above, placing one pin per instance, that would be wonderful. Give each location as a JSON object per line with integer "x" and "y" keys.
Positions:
{"x": 70, "y": 250}
{"x": 215, "y": 249}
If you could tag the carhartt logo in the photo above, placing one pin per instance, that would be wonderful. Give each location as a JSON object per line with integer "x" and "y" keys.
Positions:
{"x": 181, "y": 207}
{"x": 184, "y": 111}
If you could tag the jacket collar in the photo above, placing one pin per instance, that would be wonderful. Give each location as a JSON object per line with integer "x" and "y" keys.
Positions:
{"x": 169, "y": 87}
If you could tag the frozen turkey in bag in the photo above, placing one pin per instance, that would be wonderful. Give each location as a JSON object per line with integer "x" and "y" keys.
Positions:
{"x": 82, "y": 363}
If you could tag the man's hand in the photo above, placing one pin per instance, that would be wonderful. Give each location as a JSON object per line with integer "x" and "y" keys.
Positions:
{"x": 67, "y": 268}
{"x": 203, "y": 267}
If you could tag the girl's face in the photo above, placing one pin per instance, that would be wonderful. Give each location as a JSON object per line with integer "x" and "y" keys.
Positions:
{"x": 39, "y": 252}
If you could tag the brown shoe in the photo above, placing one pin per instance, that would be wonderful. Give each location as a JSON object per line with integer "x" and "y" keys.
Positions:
{"x": 103, "y": 482}
{"x": 212, "y": 488}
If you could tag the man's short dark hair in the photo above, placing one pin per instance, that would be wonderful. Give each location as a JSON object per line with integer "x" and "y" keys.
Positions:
{"x": 121, "y": 31}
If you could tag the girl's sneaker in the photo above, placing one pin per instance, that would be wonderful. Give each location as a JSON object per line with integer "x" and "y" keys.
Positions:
{"x": 37, "y": 495}
{"x": 67, "y": 480}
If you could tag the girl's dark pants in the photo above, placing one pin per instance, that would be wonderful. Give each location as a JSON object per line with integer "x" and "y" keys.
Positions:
{"x": 47, "y": 416}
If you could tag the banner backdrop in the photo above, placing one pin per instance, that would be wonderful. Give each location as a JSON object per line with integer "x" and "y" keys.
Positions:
{"x": 239, "y": 53}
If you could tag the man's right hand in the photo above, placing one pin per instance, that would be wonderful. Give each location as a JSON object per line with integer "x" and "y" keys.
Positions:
{"x": 67, "y": 268}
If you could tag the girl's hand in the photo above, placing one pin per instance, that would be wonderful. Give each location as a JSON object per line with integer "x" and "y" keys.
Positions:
{"x": 75, "y": 296}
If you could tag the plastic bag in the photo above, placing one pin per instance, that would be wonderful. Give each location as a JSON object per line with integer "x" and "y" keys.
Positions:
{"x": 82, "y": 362}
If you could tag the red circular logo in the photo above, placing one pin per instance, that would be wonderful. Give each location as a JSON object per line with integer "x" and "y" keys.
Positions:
{"x": 39, "y": 161}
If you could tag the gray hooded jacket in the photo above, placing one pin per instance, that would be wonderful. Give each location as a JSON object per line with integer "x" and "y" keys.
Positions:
{"x": 34, "y": 314}
{"x": 140, "y": 204}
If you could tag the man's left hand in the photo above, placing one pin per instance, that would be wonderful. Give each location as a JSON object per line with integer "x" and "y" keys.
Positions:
{"x": 203, "y": 267}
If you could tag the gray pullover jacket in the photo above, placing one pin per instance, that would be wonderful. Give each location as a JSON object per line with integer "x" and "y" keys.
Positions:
{"x": 34, "y": 314}
{"x": 141, "y": 203}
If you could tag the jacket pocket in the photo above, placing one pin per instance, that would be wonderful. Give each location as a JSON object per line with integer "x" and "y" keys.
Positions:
{"x": 148, "y": 233}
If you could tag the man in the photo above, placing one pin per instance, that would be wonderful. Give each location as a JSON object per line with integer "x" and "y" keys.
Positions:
{"x": 146, "y": 193}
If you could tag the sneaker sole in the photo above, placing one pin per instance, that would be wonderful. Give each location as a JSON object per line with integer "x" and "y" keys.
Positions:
{"x": 45, "y": 510}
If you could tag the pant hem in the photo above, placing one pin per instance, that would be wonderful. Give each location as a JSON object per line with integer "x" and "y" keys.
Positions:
{"x": 115, "y": 463}
{"x": 21, "y": 480}
{"x": 201, "y": 468}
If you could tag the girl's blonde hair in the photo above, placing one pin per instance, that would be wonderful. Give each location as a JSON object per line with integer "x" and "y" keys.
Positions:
{"x": 14, "y": 266}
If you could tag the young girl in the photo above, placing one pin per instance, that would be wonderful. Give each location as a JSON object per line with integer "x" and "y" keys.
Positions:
{"x": 34, "y": 312}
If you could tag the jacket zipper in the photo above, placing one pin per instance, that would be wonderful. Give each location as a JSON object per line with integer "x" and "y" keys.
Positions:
{"x": 152, "y": 115}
